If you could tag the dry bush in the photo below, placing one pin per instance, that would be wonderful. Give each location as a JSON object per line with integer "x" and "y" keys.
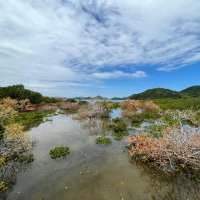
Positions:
{"x": 132, "y": 107}
{"x": 71, "y": 106}
{"x": 7, "y": 109}
{"x": 14, "y": 132}
{"x": 179, "y": 148}
{"x": 93, "y": 110}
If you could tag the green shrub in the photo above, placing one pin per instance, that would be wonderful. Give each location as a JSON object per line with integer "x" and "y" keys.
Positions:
{"x": 59, "y": 152}
{"x": 103, "y": 140}
{"x": 156, "y": 130}
{"x": 137, "y": 119}
{"x": 2, "y": 129}
{"x": 23, "y": 158}
{"x": 19, "y": 92}
{"x": 119, "y": 128}
{"x": 3, "y": 186}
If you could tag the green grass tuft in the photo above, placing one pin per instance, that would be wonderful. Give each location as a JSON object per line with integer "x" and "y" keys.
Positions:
{"x": 59, "y": 152}
{"x": 103, "y": 140}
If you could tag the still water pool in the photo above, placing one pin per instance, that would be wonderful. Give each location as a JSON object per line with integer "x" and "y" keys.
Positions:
{"x": 91, "y": 171}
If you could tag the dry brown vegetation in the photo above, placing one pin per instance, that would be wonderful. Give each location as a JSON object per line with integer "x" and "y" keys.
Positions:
{"x": 178, "y": 149}
{"x": 132, "y": 107}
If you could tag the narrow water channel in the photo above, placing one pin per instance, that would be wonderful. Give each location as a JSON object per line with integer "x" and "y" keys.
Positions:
{"x": 91, "y": 171}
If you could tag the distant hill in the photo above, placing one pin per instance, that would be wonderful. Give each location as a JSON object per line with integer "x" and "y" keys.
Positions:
{"x": 19, "y": 92}
{"x": 156, "y": 93}
{"x": 193, "y": 91}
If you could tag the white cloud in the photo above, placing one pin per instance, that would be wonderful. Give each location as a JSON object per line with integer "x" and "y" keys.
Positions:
{"x": 72, "y": 40}
{"x": 119, "y": 74}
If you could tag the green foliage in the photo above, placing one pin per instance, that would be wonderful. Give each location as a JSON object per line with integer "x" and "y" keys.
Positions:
{"x": 179, "y": 104}
{"x": 3, "y": 186}
{"x": 197, "y": 117}
{"x": 103, "y": 140}
{"x": 156, "y": 93}
{"x": 119, "y": 128}
{"x": 109, "y": 105}
{"x": 19, "y": 92}
{"x": 82, "y": 102}
{"x": 137, "y": 119}
{"x": 2, "y": 129}
{"x": 156, "y": 130}
{"x": 59, "y": 152}
{"x": 25, "y": 158}
{"x": 171, "y": 119}
{"x": 49, "y": 100}
{"x": 30, "y": 119}
{"x": 193, "y": 91}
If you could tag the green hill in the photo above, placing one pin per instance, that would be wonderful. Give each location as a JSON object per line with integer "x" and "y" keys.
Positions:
{"x": 193, "y": 91}
{"x": 156, "y": 93}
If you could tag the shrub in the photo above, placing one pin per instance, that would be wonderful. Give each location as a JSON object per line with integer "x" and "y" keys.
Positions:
{"x": 59, "y": 152}
{"x": 3, "y": 186}
{"x": 103, "y": 140}
{"x": 138, "y": 118}
{"x": 132, "y": 107}
{"x": 156, "y": 131}
{"x": 119, "y": 128}
{"x": 25, "y": 159}
{"x": 2, "y": 129}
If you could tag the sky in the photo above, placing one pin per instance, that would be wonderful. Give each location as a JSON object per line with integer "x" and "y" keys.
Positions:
{"x": 99, "y": 47}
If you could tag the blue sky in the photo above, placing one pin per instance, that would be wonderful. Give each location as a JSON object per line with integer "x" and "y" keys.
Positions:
{"x": 99, "y": 47}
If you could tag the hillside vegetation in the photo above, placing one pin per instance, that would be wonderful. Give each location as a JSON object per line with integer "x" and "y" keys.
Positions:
{"x": 156, "y": 93}
{"x": 193, "y": 91}
{"x": 18, "y": 92}
{"x": 162, "y": 93}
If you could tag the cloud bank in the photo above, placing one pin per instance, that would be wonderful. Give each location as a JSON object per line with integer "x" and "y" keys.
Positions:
{"x": 75, "y": 42}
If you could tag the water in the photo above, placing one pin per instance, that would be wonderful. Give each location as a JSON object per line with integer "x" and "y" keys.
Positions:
{"x": 91, "y": 171}
{"x": 116, "y": 113}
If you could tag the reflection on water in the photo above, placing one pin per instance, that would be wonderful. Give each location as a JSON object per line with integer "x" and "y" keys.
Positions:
{"x": 116, "y": 113}
{"x": 90, "y": 172}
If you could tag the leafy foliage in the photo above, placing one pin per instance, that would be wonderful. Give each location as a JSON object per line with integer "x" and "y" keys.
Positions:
{"x": 103, "y": 140}
{"x": 3, "y": 186}
{"x": 18, "y": 92}
{"x": 59, "y": 152}
{"x": 119, "y": 128}
{"x": 25, "y": 158}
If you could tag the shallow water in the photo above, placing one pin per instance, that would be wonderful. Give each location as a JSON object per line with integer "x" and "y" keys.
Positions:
{"x": 116, "y": 113}
{"x": 91, "y": 171}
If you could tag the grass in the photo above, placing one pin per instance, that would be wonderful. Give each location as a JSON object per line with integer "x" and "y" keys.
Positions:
{"x": 179, "y": 104}
{"x": 156, "y": 131}
{"x": 137, "y": 119}
{"x": 103, "y": 140}
{"x": 59, "y": 152}
{"x": 30, "y": 119}
{"x": 119, "y": 128}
